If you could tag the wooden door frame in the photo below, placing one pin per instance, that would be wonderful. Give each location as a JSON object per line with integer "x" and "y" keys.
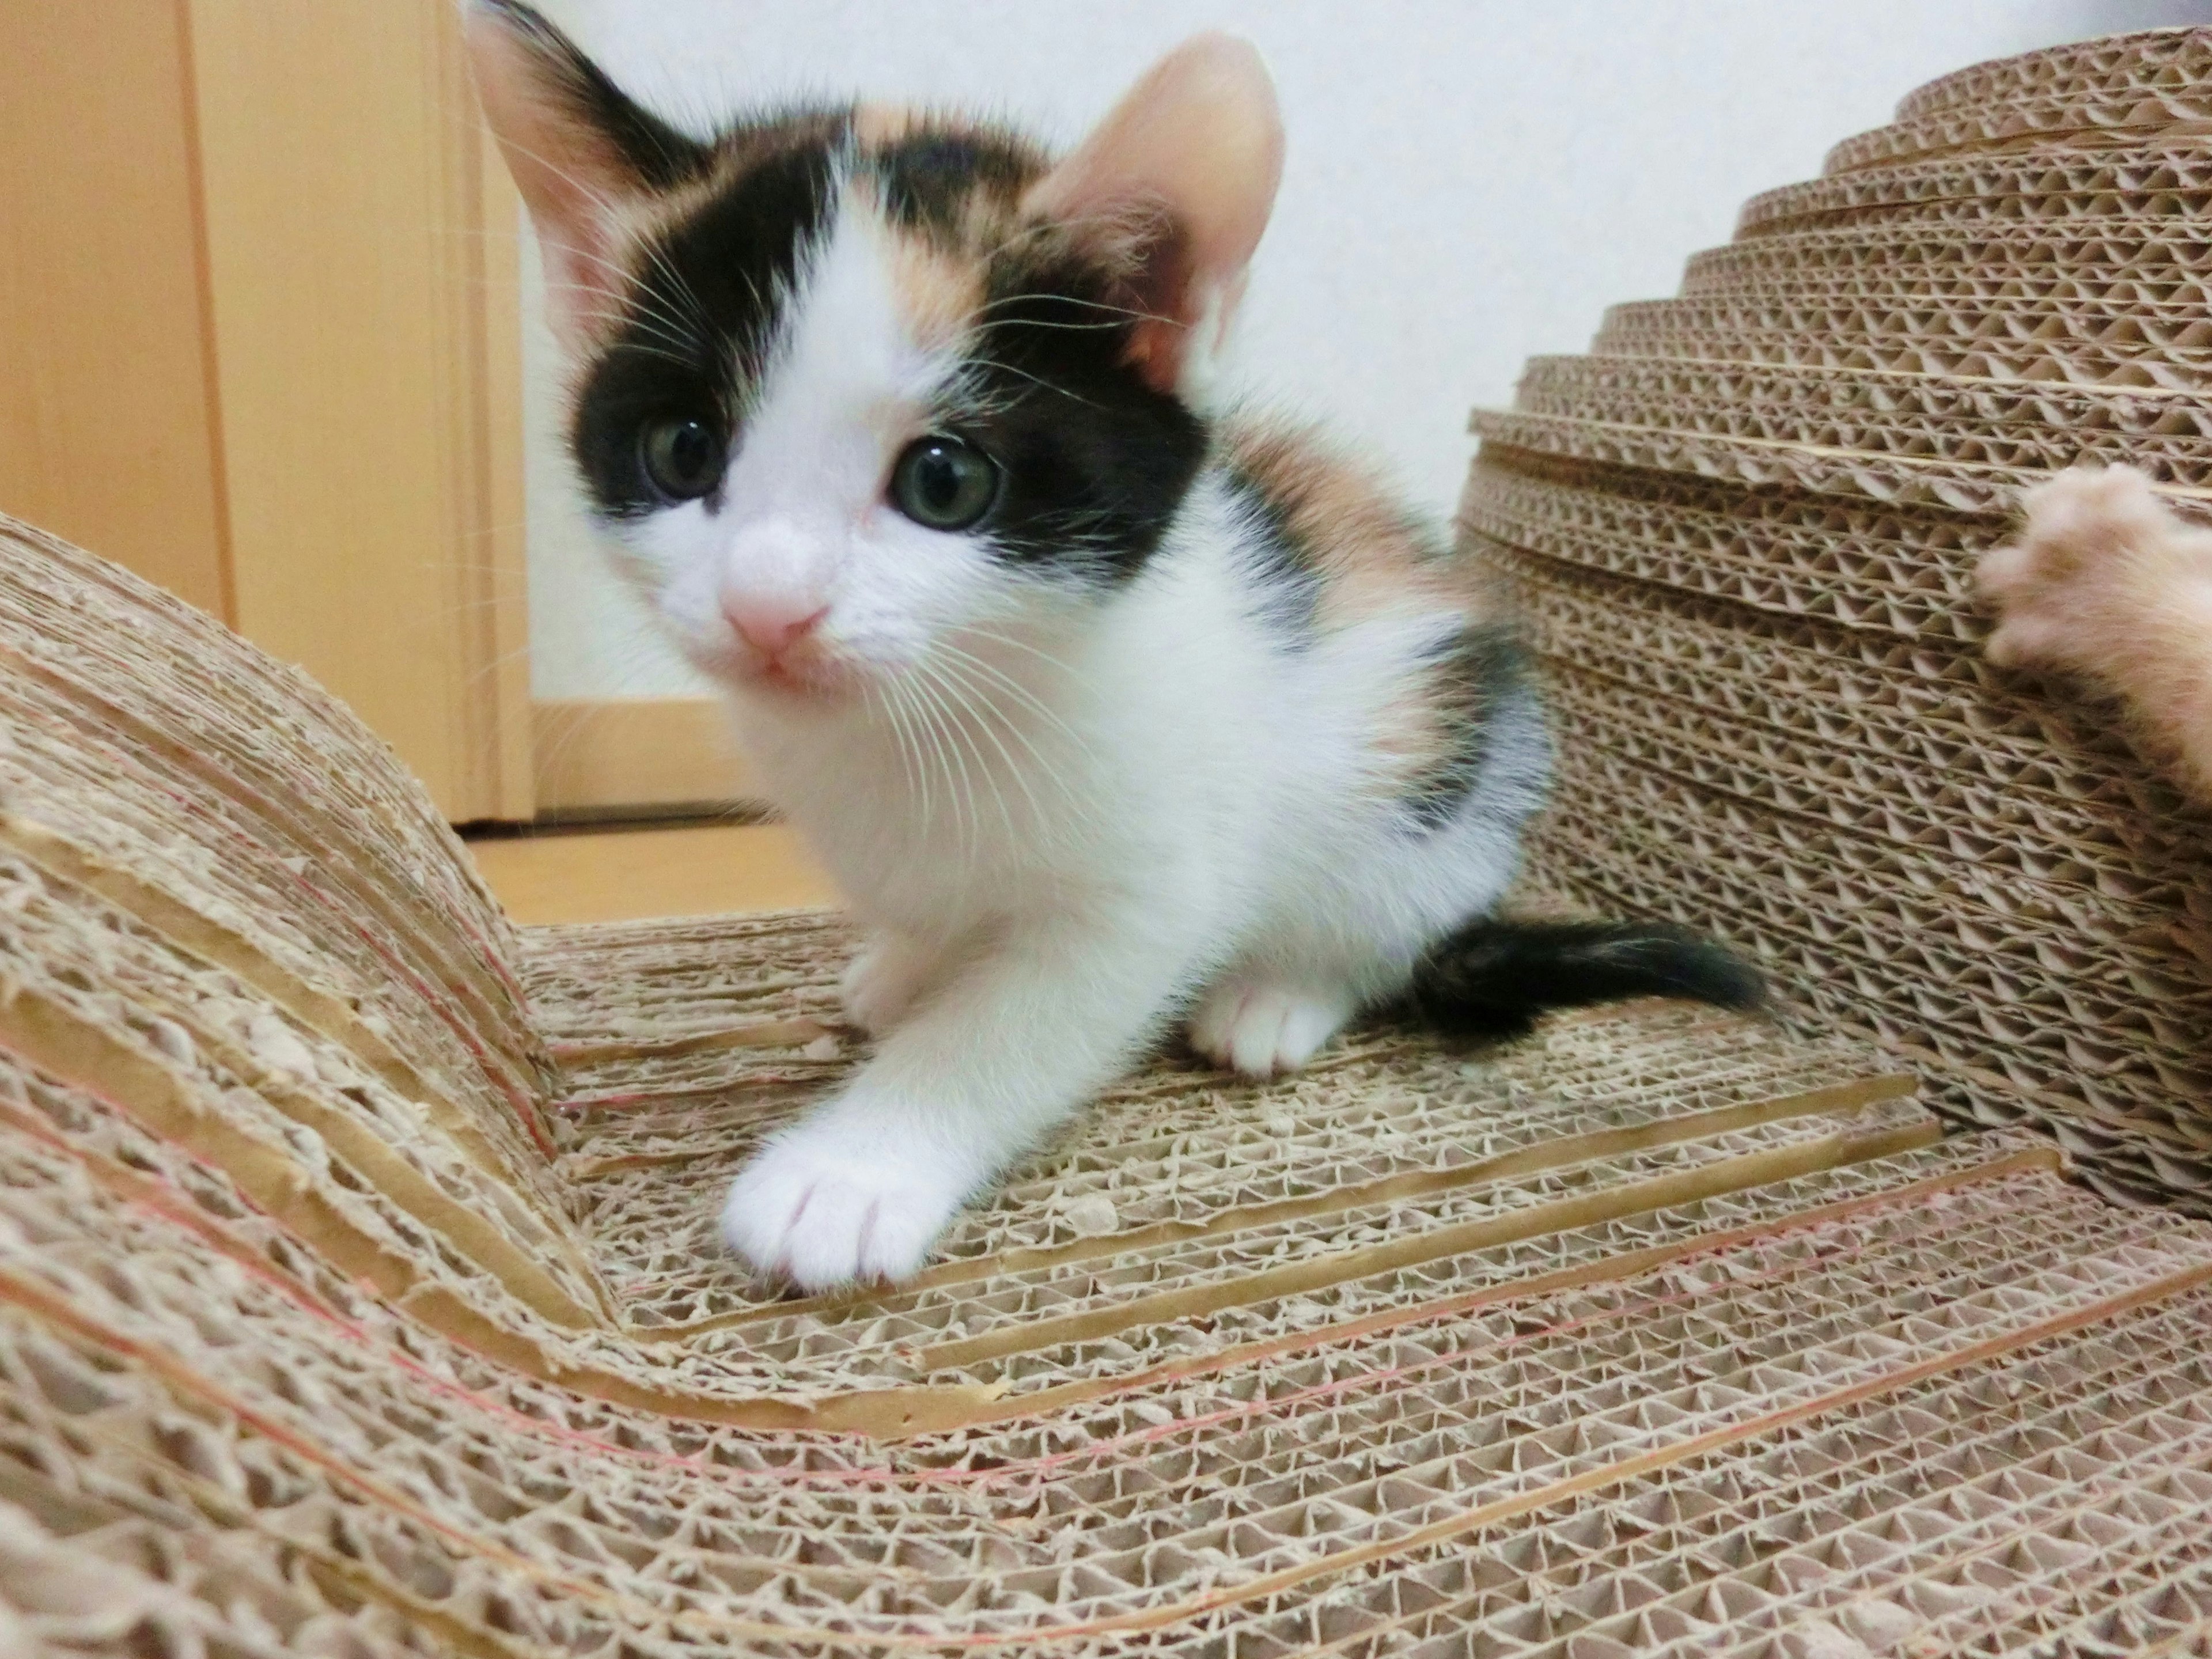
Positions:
{"x": 259, "y": 341}
{"x": 361, "y": 273}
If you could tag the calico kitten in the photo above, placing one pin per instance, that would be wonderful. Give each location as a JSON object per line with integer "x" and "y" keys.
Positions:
{"x": 1103, "y": 708}
{"x": 2105, "y": 581}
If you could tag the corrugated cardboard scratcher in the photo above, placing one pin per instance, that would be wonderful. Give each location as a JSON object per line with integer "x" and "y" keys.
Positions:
{"x": 358, "y": 1293}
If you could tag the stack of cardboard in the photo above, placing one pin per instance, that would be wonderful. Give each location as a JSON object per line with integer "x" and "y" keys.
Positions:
{"x": 1745, "y": 526}
{"x": 359, "y": 1294}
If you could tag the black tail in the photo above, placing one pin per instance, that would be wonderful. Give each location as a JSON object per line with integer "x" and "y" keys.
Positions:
{"x": 1493, "y": 977}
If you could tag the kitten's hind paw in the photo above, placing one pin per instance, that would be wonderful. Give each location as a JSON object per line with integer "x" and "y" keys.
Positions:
{"x": 881, "y": 982}
{"x": 1265, "y": 1030}
{"x": 823, "y": 1206}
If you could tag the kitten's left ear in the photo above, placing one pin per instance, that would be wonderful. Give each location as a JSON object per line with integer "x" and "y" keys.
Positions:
{"x": 1175, "y": 186}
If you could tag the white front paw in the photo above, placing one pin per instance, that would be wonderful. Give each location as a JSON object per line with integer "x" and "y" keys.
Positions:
{"x": 1265, "y": 1030}
{"x": 826, "y": 1204}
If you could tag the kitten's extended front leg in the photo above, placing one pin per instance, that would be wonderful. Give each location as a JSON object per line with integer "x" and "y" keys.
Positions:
{"x": 999, "y": 1053}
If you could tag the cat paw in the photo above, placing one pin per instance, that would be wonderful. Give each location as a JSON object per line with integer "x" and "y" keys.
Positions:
{"x": 823, "y": 1206}
{"x": 880, "y": 984}
{"x": 1265, "y": 1029}
{"x": 2063, "y": 588}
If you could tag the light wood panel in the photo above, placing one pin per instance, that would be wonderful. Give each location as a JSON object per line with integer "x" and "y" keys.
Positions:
{"x": 107, "y": 433}
{"x": 500, "y": 652}
{"x": 634, "y": 875}
{"x": 599, "y": 756}
{"x": 344, "y": 186}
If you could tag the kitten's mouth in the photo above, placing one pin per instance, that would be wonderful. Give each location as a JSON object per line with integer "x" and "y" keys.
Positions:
{"x": 809, "y": 676}
{"x": 781, "y": 676}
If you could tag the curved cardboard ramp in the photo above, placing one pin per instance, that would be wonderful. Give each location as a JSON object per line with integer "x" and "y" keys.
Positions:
{"x": 1661, "y": 1325}
{"x": 358, "y": 1292}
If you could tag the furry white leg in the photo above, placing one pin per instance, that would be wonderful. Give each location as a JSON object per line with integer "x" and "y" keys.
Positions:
{"x": 1265, "y": 1028}
{"x": 1006, "y": 1047}
{"x": 881, "y": 982}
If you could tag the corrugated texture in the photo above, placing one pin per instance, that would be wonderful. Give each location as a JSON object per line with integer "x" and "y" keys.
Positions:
{"x": 358, "y": 1293}
{"x": 1745, "y": 526}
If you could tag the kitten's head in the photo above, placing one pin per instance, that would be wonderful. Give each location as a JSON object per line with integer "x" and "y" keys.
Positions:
{"x": 852, "y": 382}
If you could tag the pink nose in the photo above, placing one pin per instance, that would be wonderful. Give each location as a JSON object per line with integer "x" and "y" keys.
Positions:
{"x": 769, "y": 627}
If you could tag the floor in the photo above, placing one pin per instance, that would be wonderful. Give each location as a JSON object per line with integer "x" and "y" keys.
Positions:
{"x": 633, "y": 874}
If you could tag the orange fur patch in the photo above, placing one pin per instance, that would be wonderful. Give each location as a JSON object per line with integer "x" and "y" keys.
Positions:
{"x": 1371, "y": 560}
{"x": 1411, "y": 740}
{"x": 939, "y": 274}
{"x": 937, "y": 290}
{"x": 1369, "y": 557}
{"x": 877, "y": 124}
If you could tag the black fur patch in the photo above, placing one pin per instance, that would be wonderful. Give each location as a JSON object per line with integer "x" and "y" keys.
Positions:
{"x": 735, "y": 260}
{"x": 1493, "y": 977}
{"x": 1290, "y": 583}
{"x": 1095, "y": 461}
{"x": 705, "y": 304}
{"x": 929, "y": 176}
{"x": 1480, "y": 672}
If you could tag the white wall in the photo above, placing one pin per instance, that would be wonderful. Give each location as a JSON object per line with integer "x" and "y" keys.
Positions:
{"x": 1468, "y": 181}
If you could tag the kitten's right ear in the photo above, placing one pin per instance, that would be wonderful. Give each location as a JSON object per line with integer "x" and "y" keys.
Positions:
{"x": 583, "y": 155}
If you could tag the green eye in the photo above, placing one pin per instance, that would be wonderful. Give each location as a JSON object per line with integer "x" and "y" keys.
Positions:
{"x": 683, "y": 458}
{"x": 943, "y": 483}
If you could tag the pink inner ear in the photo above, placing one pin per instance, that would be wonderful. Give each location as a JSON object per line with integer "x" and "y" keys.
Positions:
{"x": 569, "y": 176}
{"x": 1195, "y": 149}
